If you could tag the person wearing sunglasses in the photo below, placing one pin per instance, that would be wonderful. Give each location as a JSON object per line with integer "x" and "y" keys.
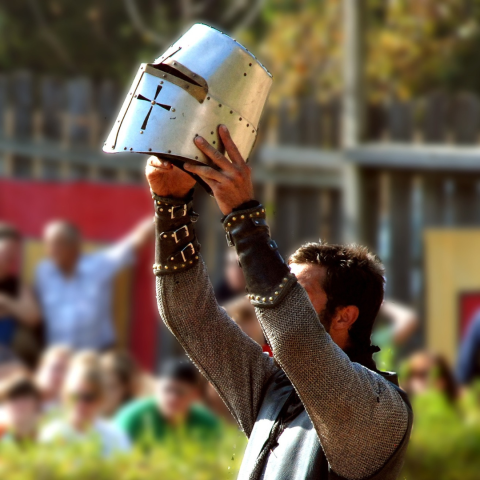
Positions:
{"x": 82, "y": 401}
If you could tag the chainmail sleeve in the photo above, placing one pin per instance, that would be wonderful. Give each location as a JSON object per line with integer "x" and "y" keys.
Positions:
{"x": 227, "y": 357}
{"x": 359, "y": 416}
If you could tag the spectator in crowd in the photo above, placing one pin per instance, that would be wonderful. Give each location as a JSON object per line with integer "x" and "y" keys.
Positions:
{"x": 19, "y": 311}
{"x": 9, "y": 363}
{"x": 83, "y": 393}
{"x": 20, "y": 402}
{"x": 468, "y": 362}
{"x": 75, "y": 289}
{"x": 51, "y": 374}
{"x": 394, "y": 326}
{"x": 173, "y": 408}
{"x": 121, "y": 377}
{"x": 233, "y": 283}
{"x": 243, "y": 313}
{"x": 425, "y": 371}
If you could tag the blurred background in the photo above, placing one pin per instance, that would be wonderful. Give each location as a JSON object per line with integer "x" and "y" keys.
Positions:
{"x": 370, "y": 135}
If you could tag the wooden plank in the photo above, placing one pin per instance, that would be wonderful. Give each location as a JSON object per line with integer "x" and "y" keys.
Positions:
{"x": 22, "y": 106}
{"x": 288, "y": 127}
{"x": 400, "y": 120}
{"x": 406, "y": 156}
{"x": 466, "y": 119}
{"x": 400, "y": 214}
{"x": 436, "y": 118}
{"x": 309, "y": 123}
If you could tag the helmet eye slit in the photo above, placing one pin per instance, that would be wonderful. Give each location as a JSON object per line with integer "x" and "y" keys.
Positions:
{"x": 176, "y": 73}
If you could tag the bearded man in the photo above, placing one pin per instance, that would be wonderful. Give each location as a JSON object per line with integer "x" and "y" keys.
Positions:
{"x": 319, "y": 409}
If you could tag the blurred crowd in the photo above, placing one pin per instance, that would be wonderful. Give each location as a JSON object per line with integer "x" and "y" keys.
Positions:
{"x": 62, "y": 378}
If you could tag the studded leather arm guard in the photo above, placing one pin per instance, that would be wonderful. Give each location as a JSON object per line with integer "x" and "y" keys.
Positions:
{"x": 176, "y": 245}
{"x": 267, "y": 276}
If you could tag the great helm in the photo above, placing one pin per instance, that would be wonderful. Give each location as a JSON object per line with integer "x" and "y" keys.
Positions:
{"x": 203, "y": 80}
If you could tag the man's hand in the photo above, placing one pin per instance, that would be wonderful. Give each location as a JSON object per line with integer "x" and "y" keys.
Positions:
{"x": 167, "y": 180}
{"x": 232, "y": 184}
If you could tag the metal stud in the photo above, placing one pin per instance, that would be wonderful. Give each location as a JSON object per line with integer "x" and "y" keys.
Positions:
{"x": 175, "y": 268}
{"x": 240, "y": 118}
{"x": 242, "y": 217}
{"x": 161, "y": 209}
{"x": 244, "y": 74}
{"x": 123, "y": 148}
{"x": 264, "y": 299}
{"x": 280, "y": 286}
{"x": 141, "y": 132}
{"x": 171, "y": 258}
{"x": 285, "y": 279}
{"x": 149, "y": 149}
{"x": 164, "y": 236}
{"x": 166, "y": 266}
{"x": 258, "y": 297}
{"x": 208, "y": 98}
{"x": 229, "y": 224}
{"x": 183, "y": 265}
{"x": 131, "y": 148}
{"x": 271, "y": 299}
{"x": 196, "y": 258}
{"x": 169, "y": 151}
{"x": 276, "y": 293}
{"x": 258, "y": 213}
{"x": 173, "y": 109}
{"x": 234, "y": 219}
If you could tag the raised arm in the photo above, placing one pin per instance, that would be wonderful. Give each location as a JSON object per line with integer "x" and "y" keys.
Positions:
{"x": 229, "y": 359}
{"x": 359, "y": 416}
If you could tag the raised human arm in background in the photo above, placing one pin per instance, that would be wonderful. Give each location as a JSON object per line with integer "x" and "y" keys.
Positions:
{"x": 24, "y": 307}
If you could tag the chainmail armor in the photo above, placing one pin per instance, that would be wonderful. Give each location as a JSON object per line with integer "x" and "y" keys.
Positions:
{"x": 359, "y": 417}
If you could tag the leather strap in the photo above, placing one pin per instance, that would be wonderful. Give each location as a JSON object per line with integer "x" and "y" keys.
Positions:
{"x": 267, "y": 276}
{"x": 176, "y": 245}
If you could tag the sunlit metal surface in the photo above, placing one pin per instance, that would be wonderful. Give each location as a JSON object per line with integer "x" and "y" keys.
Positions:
{"x": 203, "y": 80}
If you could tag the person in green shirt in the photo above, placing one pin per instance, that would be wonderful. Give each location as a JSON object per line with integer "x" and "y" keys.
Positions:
{"x": 173, "y": 410}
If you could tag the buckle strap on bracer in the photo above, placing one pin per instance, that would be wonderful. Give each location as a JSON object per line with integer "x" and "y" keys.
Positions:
{"x": 176, "y": 245}
{"x": 268, "y": 278}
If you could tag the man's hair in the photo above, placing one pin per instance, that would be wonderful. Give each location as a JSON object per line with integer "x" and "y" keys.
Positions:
{"x": 9, "y": 232}
{"x": 181, "y": 370}
{"x": 18, "y": 385}
{"x": 67, "y": 229}
{"x": 354, "y": 276}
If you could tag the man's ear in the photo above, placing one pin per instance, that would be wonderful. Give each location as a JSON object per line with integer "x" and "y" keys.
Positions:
{"x": 345, "y": 317}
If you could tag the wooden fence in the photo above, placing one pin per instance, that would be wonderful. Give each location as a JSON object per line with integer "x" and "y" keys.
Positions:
{"x": 53, "y": 129}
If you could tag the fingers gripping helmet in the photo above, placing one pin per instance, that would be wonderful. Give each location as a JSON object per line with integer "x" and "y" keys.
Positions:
{"x": 203, "y": 80}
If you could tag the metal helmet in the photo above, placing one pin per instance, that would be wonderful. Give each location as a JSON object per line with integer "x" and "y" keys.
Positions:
{"x": 203, "y": 80}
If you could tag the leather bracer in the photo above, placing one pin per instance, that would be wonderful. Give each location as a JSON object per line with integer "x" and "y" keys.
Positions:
{"x": 267, "y": 276}
{"x": 176, "y": 245}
